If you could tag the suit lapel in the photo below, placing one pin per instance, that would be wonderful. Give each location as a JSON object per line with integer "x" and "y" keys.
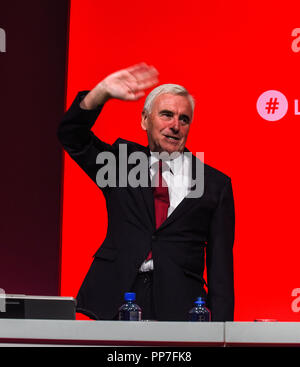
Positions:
{"x": 147, "y": 192}
{"x": 147, "y": 195}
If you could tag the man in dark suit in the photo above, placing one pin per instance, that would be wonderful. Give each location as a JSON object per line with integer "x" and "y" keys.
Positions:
{"x": 159, "y": 236}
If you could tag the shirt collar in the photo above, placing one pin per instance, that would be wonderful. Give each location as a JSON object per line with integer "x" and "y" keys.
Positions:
{"x": 175, "y": 165}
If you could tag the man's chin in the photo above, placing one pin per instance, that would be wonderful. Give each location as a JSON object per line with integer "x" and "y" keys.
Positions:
{"x": 166, "y": 146}
{"x": 172, "y": 148}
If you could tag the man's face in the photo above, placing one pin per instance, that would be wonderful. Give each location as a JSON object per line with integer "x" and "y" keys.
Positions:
{"x": 168, "y": 123}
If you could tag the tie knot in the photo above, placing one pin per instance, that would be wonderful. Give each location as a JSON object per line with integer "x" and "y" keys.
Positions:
{"x": 160, "y": 166}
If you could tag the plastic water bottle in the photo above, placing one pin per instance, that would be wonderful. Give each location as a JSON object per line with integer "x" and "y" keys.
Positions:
{"x": 200, "y": 312}
{"x": 130, "y": 311}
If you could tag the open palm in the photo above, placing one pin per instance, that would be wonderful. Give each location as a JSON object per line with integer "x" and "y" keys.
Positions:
{"x": 129, "y": 84}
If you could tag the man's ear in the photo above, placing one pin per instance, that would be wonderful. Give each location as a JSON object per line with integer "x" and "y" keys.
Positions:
{"x": 144, "y": 122}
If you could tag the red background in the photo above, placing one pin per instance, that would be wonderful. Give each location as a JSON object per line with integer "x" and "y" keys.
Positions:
{"x": 226, "y": 53}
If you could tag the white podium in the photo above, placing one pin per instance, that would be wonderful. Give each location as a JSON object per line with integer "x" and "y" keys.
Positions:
{"x": 110, "y": 333}
{"x": 262, "y": 334}
{"x": 15, "y": 332}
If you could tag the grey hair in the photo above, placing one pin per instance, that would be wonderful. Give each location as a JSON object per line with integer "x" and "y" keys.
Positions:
{"x": 175, "y": 89}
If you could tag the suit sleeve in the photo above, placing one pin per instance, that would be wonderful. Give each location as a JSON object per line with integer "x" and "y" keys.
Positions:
{"x": 219, "y": 258}
{"x": 76, "y": 137}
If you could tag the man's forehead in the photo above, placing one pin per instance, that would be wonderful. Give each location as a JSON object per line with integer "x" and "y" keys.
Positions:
{"x": 168, "y": 100}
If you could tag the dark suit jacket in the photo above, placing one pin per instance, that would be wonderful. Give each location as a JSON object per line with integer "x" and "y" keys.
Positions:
{"x": 200, "y": 231}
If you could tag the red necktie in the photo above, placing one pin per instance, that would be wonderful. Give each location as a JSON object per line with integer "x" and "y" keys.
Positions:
{"x": 161, "y": 199}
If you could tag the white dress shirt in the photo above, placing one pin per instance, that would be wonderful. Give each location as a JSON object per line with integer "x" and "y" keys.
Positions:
{"x": 176, "y": 173}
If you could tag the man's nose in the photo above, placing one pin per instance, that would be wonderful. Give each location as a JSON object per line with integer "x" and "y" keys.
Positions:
{"x": 175, "y": 126}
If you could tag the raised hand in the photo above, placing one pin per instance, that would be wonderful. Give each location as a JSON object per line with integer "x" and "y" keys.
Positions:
{"x": 127, "y": 84}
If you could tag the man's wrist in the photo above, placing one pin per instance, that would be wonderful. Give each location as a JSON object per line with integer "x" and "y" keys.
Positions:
{"x": 95, "y": 98}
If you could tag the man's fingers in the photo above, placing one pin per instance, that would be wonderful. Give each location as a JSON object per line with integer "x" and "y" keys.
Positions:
{"x": 143, "y": 71}
{"x": 139, "y": 80}
{"x": 137, "y": 67}
{"x": 130, "y": 83}
{"x": 136, "y": 86}
{"x": 144, "y": 74}
{"x": 143, "y": 68}
{"x": 147, "y": 83}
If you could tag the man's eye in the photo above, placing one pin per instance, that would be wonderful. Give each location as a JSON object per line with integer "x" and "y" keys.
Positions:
{"x": 169, "y": 114}
{"x": 185, "y": 120}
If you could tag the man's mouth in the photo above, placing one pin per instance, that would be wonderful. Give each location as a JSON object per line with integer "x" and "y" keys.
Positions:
{"x": 171, "y": 137}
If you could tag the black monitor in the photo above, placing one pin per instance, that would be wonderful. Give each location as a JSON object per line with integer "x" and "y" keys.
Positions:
{"x": 15, "y": 306}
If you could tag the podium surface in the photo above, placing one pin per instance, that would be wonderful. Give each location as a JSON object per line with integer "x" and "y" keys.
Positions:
{"x": 111, "y": 333}
{"x": 16, "y": 332}
{"x": 262, "y": 333}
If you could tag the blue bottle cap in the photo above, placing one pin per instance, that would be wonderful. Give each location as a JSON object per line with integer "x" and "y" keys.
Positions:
{"x": 129, "y": 296}
{"x": 200, "y": 301}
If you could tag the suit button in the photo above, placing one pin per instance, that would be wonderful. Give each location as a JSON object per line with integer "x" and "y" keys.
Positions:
{"x": 154, "y": 237}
